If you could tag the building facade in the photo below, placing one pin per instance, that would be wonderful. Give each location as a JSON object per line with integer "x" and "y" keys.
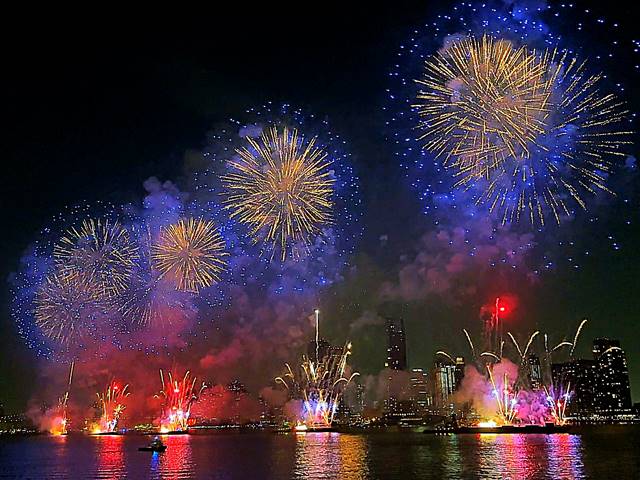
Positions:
{"x": 396, "y": 345}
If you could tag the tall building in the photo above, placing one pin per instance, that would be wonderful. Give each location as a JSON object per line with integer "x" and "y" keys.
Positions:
{"x": 600, "y": 345}
{"x": 420, "y": 389}
{"x": 613, "y": 392}
{"x": 239, "y": 391}
{"x": 534, "y": 371}
{"x": 314, "y": 354}
{"x": 444, "y": 383}
{"x": 581, "y": 376}
{"x": 458, "y": 372}
{"x": 396, "y": 345}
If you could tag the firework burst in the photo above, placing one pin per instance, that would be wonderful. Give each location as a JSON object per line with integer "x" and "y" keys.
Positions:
{"x": 281, "y": 188}
{"x": 179, "y": 397}
{"x": 101, "y": 252}
{"x": 111, "y": 406}
{"x": 66, "y": 308}
{"x": 320, "y": 382}
{"x": 506, "y": 398}
{"x": 558, "y": 399}
{"x": 524, "y": 131}
{"x": 191, "y": 253}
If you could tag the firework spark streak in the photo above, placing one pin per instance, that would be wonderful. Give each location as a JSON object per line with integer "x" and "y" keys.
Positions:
{"x": 111, "y": 406}
{"x": 523, "y": 130}
{"x": 60, "y": 421}
{"x": 479, "y": 360}
{"x": 320, "y": 382}
{"x": 506, "y": 402}
{"x": 281, "y": 188}
{"x": 101, "y": 252}
{"x": 557, "y": 401}
{"x": 191, "y": 253}
{"x": 179, "y": 397}
{"x": 577, "y": 335}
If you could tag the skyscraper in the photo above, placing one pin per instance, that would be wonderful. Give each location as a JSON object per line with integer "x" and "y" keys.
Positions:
{"x": 396, "y": 345}
{"x": 444, "y": 383}
{"x": 582, "y": 377}
{"x": 317, "y": 352}
{"x": 613, "y": 392}
{"x": 534, "y": 371}
{"x": 419, "y": 389}
{"x": 458, "y": 372}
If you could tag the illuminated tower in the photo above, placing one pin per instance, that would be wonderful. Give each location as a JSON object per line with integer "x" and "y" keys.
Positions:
{"x": 444, "y": 383}
{"x": 396, "y": 345}
{"x": 582, "y": 375}
{"x": 318, "y": 348}
{"x": 534, "y": 371}
{"x": 613, "y": 395}
{"x": 459, "y": 372}
{"x": 419, "y": 389}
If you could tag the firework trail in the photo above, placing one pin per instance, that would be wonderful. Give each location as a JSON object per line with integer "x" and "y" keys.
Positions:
{"x": 525, "y": 131}
{"x": 577, "y": 335}
{"x": 280, "y": 186}
{"x": 523, "y": 352}
{"x": 557, "y": 400}
{"x": 100, "y": 252}
{"x": 320, "y": 383}
{"x": 479, "y": 360}
{"x": 61, "y": 421}
{"x": 506, "y": 399}
{"x": 179, "y": 397}
{"x": 492, "y": 328}
{"x": 523, "y": 379}
{"x": 111, "y": 406}
{"x": 191, "y": 253}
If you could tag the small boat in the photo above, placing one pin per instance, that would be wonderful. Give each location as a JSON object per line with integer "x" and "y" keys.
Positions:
{"x": 156, "y": 445}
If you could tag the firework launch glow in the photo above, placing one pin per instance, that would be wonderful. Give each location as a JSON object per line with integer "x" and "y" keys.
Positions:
{"x": 111, "y": 406}
{"x": 558, "y": 399}
{"x": 506, "y": 398}
{"x": 321, "y": 383}
{"x": 280, "y": 186}
{"x": 60, "y": 421}
{"x": 178, "y": 397}
{"x": 503, "y": 392}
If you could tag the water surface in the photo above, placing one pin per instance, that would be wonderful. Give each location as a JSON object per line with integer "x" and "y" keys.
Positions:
{"x": 326, "y": 456}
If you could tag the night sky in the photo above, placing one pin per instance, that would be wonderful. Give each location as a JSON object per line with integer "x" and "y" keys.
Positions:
{"x": 93, "y": 111}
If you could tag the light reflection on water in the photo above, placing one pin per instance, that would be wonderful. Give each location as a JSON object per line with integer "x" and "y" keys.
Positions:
{"x": 325, "y": 456}
{"x": 330, "y": 455}
{"x": 110, "y": 453}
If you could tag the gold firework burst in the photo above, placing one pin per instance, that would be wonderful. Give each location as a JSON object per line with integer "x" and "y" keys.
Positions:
{"x": 281, "y": 187}
{"x": 191, "y": 253}
{"x": 530, "y": 127}
{"x": 66, "y": 308}
{"x": 101, "y": 252}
